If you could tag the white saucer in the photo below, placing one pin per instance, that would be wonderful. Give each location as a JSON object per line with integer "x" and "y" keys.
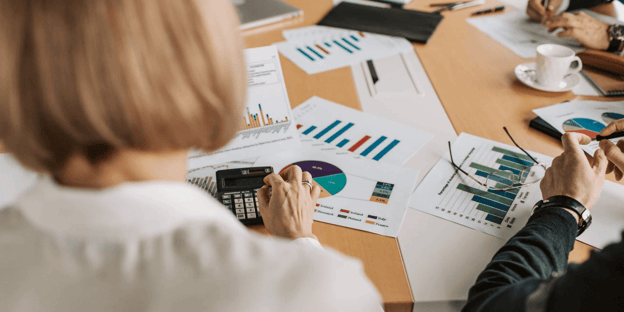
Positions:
{"x": 526, "y": 74}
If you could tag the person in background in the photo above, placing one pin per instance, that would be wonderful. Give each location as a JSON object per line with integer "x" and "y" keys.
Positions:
{"x": 106, "y": 98}
{"x": 531, "y": 273}
{"x": 590, "y": 32}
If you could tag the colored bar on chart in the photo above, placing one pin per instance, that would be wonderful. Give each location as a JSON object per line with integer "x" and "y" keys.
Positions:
{"x": 344, "y": 210}
{"x": 372, "y": 217}
{"x": 495, "y": 219}
{"x": 317, "y": 54}
{"x": 340, "y": 45}
{"x": 373, "y": 146}
{"x": 339, "y": 133}
{"x": 262, "y": 115}
{"x": 327, "y": 45}
{"x": 342, "y": 216}
{"x": 361, "y": 34}
{"x": 492, "y": 211}
{"x": 321, "y": 48}
{"x": 514, "y": 191}
{"x": 324, "y": 131}
{"x": 370, "y": 222}
{"x": 482, "y": 168}
{"x": 485, "y": 194}
{"x": 510, "y": 164}
{"x": 495, "y": 178}
{"x": 386, "y": 150}
{"x": 343, "y": 143}
{"x": 516, "y": 172}
{"x": 512, "y": 154}
{"x": 359, "y": 143}
{"x": 301, "y": 51}
{"x": 354, "y": 38}
{"x": 511, "y": 196}
{"x": 518, "y": 161}
{"x": 491, "y": 203}
{"x": 351, "y": 44}
{"x": 309, "y": 130}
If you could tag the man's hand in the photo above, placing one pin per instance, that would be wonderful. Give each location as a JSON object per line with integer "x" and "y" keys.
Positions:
{"x": 572, "y": 175}
{"x": 288, "y": 206}
{"x": 537, "y": 11}
{"x": 614, "y": 152}
{"x": 587, "y": 30}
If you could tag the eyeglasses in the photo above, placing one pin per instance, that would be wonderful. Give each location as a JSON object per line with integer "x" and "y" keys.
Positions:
{"x": 513, "y": 173}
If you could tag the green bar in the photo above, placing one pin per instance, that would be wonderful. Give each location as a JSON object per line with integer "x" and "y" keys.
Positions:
{"x": 342, "y": 216}
{"x": 501, "y": 185}
{"x": 482, "y": 168}
{"x": 490, "y": 210}
{"x": 488, "y": 195}
{"x": 512, "y": 154}
{"x": 510, "y": 164}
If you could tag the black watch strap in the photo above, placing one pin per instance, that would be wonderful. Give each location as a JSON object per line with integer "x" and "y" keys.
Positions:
{"x": 560, "y": 202}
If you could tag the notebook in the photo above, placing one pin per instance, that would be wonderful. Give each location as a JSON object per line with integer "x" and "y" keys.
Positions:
{"x": 413, "y": 25}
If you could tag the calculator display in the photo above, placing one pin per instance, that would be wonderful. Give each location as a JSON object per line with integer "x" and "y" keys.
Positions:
{"x": 250, "y": 181}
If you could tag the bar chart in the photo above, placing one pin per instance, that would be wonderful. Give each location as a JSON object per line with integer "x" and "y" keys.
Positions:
{"x": 348, "y": 131}
{"x": 259, "y": 119}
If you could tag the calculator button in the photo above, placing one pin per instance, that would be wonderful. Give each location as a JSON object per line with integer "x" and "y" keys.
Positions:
{"x": 239, "y": 205}
{"x": 241, "y": 210}
{"x": 227, "y": 196}
{"x": 251, "y": 216}
{"x": 227, "y": 201}
{"x": 251, "y": 210}
{"x": 249, "y": 205}
{"x": 240, "y": 216}
{"x": 249, "y": 200}
{"x": 238, "y": 201}
{"x": 238, "y": 196}
{"x": 248, "y": 195}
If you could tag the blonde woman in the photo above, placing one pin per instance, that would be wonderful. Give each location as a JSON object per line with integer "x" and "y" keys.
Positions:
{"x": 106, "y": 97}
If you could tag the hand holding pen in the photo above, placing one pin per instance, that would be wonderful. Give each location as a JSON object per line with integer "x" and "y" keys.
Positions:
{"x": 614, "y": 152}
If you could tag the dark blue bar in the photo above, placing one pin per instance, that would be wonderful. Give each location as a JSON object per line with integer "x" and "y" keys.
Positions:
{"x": 309, "y": 130}
{"x": 311, "y": 59}
{"x": 515, "y": 171}
{"x": 491, "y": 203}
{"x": 327, "y": 44}
{"x": 495, "y": 219}
{"x": 340, "y": 45}
{"x": 518, "y": 160}
{"x": 373, "y": 146}
{"x": 351, "y": 44}
{"x": 315, "y": 52}
{"x": 504, "y": 194}
{"x": 386, "y": 150}
{"x": 342, "y": 143}
{"x": 339, "y": 133}
{"x": 354, "y": 38}
{"x": 322, "y": 133}
{"x": 494, "y": 177}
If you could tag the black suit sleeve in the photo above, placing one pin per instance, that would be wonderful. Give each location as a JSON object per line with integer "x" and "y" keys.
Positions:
{"x": 585, "y": 4}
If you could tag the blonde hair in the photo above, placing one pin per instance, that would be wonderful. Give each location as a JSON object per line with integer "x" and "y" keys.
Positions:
{"x": 92, "y": 76}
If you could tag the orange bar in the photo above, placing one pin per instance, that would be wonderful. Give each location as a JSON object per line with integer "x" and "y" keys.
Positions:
{"x": 370, "y": 222}
{"x": 361, "y": 34}
{"x": 262, "y": 115}
{"x": 321, "y": 48}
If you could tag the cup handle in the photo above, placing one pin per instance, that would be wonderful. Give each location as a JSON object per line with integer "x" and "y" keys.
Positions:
{"x": 577, "y": 68}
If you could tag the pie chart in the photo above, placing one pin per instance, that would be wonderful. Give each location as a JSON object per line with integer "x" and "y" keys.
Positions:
{"x": 585, "y": 126}
{"x": 329, "y": 177}
{"x": 611, "y": 117}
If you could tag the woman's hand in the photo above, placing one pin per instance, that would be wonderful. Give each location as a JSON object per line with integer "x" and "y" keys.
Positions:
{"x": 587, "y": 30}
{"x": 614, "y": 152}
{"x": 287, "y": 207}
{"x": 537, "y": 11}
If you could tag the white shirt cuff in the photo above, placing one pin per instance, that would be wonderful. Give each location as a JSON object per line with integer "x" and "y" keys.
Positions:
{"x": 565, "y": 4}
{"x": 309, "y": 241}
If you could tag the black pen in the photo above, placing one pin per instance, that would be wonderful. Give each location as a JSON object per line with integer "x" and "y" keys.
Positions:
{"x": 610, "y": 136}
{"x": 496, "y": 9}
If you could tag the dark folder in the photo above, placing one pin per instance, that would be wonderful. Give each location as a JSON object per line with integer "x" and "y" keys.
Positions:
{"x": 412, "y": 25}
{"x": 541, "y": 125}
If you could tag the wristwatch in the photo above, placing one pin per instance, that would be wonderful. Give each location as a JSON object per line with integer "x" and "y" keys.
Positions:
{"x": 616, "y": 38}
{"x": 561, "y": 202}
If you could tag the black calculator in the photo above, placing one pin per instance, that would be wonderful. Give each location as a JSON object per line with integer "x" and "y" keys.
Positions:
{"x": 238, "y": 189}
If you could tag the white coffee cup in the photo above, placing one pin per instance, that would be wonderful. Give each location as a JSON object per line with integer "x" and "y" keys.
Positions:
{"x": 554, "y": 62}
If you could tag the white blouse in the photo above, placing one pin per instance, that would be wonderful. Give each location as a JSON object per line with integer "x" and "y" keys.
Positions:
{"x": 158, "y": 246}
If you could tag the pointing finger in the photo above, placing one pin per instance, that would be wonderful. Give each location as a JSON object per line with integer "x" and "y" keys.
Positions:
{"x": 571, "y": 142}
{"x": 613, "y": 127}
{"x": 600, "y": 162}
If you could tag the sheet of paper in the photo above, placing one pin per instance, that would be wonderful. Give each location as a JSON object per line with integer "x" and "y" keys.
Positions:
{"x": 266, "y": 125}
{"x": 14, "y": 179}
{"x": 356, "y": 193}
{"x": 206, "y": 177}
{"x": 515, "y": 31}
{"x": 587, "y": 117}
{"x": 317, "y": 49}
{"x": 456, "y": 198}
{"x": 350, "y": 132}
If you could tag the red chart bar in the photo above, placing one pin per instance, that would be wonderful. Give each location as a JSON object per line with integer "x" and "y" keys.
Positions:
{"x": 299, "y": 127}
{"x": 359, "y": 143}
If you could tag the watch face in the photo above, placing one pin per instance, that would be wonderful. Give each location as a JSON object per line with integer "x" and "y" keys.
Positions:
{"x": 618, "y": 32}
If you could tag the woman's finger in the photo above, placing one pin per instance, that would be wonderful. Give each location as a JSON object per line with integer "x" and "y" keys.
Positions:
{"x": 316, "y": 192}
{"x": 292, "y": 174}
{"x": 306, "y": 176}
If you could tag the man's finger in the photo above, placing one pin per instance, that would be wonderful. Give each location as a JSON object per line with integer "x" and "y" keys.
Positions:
{"x": 610, "y": 167}
{"x": 618, "y": 174}
{"x": 568, "y": 33}
{"x": 600, "y": 162}
{"x": 571, "y": 142}
{"x": 613, "y": 127}
{"x": 613, "y": 154}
